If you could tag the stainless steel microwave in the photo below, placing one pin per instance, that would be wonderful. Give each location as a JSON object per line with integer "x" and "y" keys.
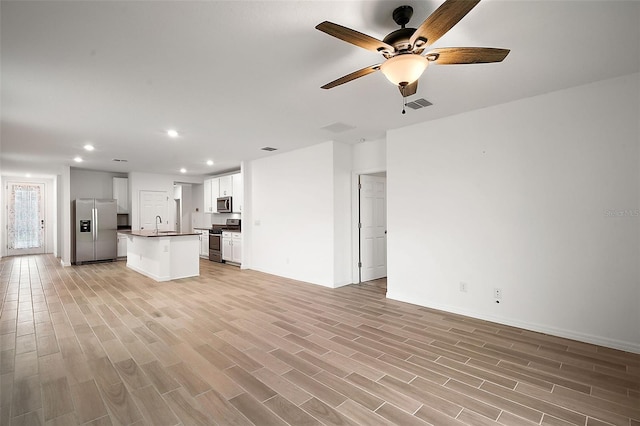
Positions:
{"x": 223, "y": 205}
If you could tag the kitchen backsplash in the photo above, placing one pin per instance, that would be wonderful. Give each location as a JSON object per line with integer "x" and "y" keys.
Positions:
{"x": 205, "y": 220}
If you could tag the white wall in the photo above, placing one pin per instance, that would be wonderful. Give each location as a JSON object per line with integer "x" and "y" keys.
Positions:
{"x": 187, "y": 206}
{"x": 342, "y": 213}
{"x": 247, "y": 215}
{"x": 92, "y": 183}
{"x": 65, "y": 221}
{"x": 292, "y": 212}
{"x": 370, "y": 156}
{"x": 538, "y": 197}
{"x": 367, "y": 157}
{"x": 154, "y": 182}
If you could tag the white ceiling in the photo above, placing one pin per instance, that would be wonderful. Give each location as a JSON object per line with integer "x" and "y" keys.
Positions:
{"x": 235, "y": 76}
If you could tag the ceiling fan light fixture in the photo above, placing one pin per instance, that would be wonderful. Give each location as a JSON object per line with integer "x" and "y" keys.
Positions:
{"x": 404, "y": 69}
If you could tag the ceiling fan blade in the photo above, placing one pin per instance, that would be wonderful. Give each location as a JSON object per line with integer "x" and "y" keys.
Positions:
{"x": 442, "y": 20}
{"x": 467, "y": 55}
{"x": 356, "y": 74}
{"x": 354, "y": 37}
{"x": 409, "y": 89}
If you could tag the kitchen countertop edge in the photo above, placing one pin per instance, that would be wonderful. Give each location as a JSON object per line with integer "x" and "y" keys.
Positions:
{"x": 152, "y": 234}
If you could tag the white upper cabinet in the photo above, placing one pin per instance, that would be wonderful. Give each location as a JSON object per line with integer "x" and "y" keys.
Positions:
{"x": 226, "y": 186}
{"x": 223, "y": 186}
{"x": 121, "y": 194}
{"x": 211, "y": 194}
{"x": 208, "y": 204}
{"x": 238, "y": 192}
{"x": 215, "y": 191}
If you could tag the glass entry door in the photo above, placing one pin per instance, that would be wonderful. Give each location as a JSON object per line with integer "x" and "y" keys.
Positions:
{"x": 25, "y": 218}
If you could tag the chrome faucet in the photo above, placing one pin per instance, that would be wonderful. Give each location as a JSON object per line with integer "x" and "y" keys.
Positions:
{"x": 160, "y": 219}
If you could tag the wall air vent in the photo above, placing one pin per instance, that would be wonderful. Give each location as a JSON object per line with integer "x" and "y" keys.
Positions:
{"x": 268, "y": 148}
{"x": 419, "y": 103}
{"x": 118, "y": 160}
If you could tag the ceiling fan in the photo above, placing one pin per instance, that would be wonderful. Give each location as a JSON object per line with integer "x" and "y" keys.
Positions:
{"x": 404, "y": 49}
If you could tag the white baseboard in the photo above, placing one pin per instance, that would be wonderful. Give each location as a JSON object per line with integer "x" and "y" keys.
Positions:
{"x": 147, "y": 274}
{"x": 553, "y": 331}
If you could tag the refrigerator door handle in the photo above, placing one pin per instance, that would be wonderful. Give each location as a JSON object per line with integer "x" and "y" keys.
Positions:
{"x": 94, "y": 216}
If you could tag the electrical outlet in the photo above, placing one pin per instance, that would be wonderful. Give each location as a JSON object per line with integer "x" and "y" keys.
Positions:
{"x": 497, "y": 294}
{"x": 463, "y": 286}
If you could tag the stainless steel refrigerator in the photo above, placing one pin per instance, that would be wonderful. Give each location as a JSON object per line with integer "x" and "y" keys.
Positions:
{"x": 95, "y": 226}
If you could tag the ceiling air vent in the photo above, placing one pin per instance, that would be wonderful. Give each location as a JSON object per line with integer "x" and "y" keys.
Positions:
{"x": 419, "y": 103}
{"x": 338, "y": 127}
{"x": 268, "y": 148}
{"x": 119, "y": 160}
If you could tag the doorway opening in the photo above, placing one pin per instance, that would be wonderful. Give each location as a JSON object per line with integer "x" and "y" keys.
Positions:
{"x": 178, "y": 216}
{"x": 372, "y": 227}
{"x": 25, "y": 218}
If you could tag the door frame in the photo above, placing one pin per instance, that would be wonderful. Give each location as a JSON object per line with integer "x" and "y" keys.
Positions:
{"x": 168, "y": 213}
{"x": 46, "y": 216}
{"x": 355, "y": 220}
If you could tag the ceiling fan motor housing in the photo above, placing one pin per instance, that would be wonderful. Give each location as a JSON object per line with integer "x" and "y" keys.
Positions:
{"x": 399, "y": 39}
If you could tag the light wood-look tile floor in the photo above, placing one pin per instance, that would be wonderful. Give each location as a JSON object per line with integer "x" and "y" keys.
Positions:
{"x": 100, "y": 344}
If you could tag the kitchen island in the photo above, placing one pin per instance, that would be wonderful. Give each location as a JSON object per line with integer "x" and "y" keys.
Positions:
{"x": 165, "y": 255}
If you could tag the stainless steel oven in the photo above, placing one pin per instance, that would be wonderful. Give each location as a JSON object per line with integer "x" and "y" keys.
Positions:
{"x": 215, "y": 246}
{"x": 215, "y": 238}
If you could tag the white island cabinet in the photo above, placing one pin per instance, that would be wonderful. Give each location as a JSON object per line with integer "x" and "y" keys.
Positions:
{"x": 204, "y": 242}
{"x": 165, "y": 256}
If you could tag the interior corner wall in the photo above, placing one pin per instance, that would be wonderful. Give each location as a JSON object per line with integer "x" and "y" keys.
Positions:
{"x": 65, "y": 221}
{"x": 292, "y": 229}
{"x": 247, "y": 216}
{"x": 342, "y": 154}
{"x": 538, "y": 197}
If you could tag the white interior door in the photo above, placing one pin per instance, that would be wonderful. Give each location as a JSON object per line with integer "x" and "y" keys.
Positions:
{"x": 25, "y": 218}
{"x": 152, "y": 204}
{"x": 373, "y": 228}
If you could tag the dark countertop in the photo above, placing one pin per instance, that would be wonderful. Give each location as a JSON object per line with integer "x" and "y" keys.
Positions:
{"x": 152, "y": 233}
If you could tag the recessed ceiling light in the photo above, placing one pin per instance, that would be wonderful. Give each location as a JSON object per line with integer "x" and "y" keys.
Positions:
{"x": 183, "y": 170}
{"x": 209, "y": 162}
{"x": 28, "y": 174}
{"x": 172, "y": 133}
{"x": 78, "y": 160}
{"x": 89, "y": 147}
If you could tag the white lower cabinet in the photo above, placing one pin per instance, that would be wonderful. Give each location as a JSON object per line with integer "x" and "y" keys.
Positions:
{"x": 204, "y": 243}
{"x": 121, "y": 250}
{"x": 232, "y": 247}
{"x": 236, "y": 247}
